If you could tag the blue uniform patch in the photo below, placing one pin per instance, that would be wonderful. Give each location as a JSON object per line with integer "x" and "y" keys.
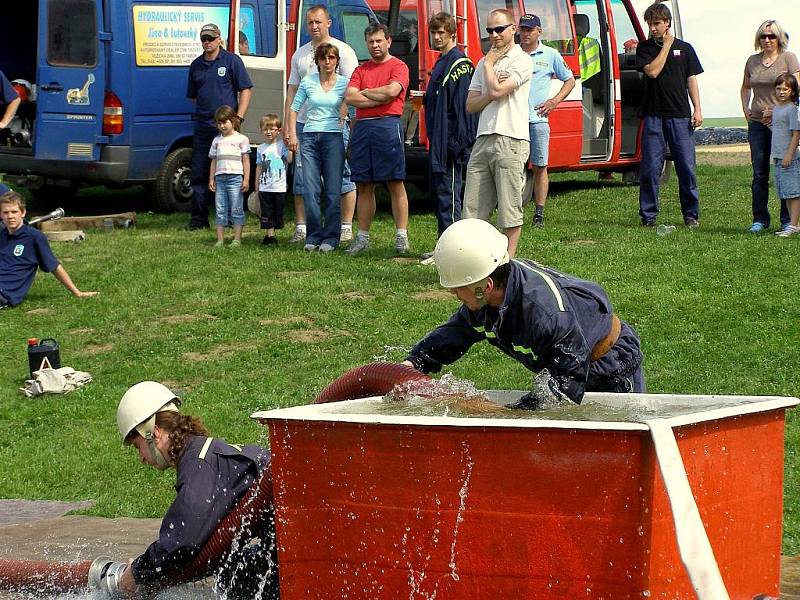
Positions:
{"x": 19, "y": 249}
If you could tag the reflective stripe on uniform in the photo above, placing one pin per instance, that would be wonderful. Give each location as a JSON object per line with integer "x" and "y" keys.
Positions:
{"x": 524, "y": 350}
{"x": 487, "y": 334}
{"x": 550, "y": 283}
{"x": 205, "y": 448}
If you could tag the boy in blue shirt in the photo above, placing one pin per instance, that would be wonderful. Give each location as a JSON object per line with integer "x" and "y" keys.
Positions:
{"x": 24, "y": 249}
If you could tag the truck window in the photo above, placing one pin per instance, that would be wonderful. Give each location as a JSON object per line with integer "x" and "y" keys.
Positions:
{"x": 556, "y": 26}
{"x": 354, "y": 25}
{"x": 484, "y": 7}
{"x": 623, "y": 25}
{"x": 72, "y": 33}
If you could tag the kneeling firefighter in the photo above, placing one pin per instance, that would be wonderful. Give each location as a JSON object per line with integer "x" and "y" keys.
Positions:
{"x": 560, "y": 327}
{"x": 212, "y": 476}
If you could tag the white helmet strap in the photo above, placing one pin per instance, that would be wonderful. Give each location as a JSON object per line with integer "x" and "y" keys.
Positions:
{"x": 146, "y": 428}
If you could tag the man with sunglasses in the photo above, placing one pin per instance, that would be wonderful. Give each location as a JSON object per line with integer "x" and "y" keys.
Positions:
{"x": 216, "y": 78}
{"x": 671, "y": 68}
{"x": 499, "y": 92}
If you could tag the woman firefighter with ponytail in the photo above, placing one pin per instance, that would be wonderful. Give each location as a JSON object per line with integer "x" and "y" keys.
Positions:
{"x": 212, "y": 477}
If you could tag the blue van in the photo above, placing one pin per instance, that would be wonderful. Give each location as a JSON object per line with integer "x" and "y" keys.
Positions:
{"x": 105, "y": 84}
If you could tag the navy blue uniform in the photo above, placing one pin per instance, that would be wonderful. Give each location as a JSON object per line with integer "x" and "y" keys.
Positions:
{"x": 451, "y": 131}
{"x": 21, "y": 253}
{"x": 548, "y": 320}
{"x": 209, "y": 485}
{"x": 211, "y": 85}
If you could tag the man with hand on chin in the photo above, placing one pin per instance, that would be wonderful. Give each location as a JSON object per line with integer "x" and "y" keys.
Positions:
{"x": 499, "y": 92}
{"x": 671, "y": 68}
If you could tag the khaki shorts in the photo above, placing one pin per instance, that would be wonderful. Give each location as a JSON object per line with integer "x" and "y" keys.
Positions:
{"x": 495, "y": 178}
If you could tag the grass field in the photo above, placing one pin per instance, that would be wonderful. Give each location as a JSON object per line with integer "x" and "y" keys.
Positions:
{"x": 255, "y": 328}
{"x": 725, "y": 122}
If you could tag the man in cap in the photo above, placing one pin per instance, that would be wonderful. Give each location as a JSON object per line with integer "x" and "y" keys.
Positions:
{"x": 547, "y": 65}
{"x": 499, "y": 92}
{"x": 216, "y": 78}
{"x": 558, "y": 326}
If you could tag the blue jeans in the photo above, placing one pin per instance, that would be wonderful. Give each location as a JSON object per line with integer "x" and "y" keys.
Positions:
{"x": 323, "y": 160}
{"x": 657, "y": 133}
{"x": 228, "y": 199}
{"x": 202, "y": 197}
{"x": 760, "y": 138}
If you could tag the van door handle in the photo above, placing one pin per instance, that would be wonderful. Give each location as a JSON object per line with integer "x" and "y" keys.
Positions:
{"x": 52, "y": 87}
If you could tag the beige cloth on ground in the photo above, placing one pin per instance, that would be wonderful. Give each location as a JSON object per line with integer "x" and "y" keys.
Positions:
{"x": 55, "y": 381}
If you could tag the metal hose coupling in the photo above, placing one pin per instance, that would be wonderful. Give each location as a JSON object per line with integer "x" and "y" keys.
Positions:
{"x": 105, "y": 575}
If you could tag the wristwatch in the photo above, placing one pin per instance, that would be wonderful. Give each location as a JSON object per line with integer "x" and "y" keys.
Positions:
{"x": 241, "y": 119}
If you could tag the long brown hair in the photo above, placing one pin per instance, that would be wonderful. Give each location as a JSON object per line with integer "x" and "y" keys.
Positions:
{"x": 179, "y": 427}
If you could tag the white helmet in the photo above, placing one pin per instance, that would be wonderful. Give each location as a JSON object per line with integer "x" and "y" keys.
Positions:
{"x": 468, "y": 252}
{"x": 137, "y": 410}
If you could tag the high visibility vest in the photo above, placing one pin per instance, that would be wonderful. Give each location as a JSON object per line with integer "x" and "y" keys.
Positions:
{"x": 589, "y": 55}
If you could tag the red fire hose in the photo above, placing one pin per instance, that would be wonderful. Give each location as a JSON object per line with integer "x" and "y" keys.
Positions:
{"x": 369, "y": 380}
{"x": 375, "y": 379}
{"x": 44, "y": 576}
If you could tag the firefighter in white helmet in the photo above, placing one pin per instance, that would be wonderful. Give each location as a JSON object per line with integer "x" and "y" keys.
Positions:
{"x": 560, "y": 327}
{"x": 212, "y": 476}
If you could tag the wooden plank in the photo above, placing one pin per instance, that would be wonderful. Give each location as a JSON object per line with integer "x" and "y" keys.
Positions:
{"x": 88, "y": 222}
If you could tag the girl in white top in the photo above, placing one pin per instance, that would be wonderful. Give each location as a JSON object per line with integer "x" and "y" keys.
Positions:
{"x": 229, "y": 174}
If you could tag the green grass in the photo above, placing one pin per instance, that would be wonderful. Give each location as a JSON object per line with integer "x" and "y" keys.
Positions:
{"x": 257, "y": 328}
{"x": 725, "y": 122}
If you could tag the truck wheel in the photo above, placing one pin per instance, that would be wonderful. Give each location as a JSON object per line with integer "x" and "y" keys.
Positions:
{"x": 172, "y": 189}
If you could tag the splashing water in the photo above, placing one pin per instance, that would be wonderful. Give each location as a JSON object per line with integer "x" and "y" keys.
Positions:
{"x": 466, "y": 457}
{"x": 389, "y": 350}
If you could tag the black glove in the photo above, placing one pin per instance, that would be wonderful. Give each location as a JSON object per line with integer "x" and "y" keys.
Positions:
{"x": 545, "y": 391}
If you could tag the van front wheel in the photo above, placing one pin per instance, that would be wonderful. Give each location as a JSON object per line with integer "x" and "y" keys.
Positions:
{"x": 172, "y": 189}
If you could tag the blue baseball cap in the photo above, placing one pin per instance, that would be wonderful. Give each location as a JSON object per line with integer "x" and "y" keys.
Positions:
{"x": 530, "y": 21}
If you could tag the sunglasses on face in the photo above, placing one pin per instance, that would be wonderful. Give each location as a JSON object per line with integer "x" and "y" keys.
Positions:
{"x": 768, "y": 36}
{"x": 207, "y": 38}
{"x": 498, "y": 30}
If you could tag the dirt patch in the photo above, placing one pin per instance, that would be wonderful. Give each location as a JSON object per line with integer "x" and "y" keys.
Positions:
{"x": 290, "y": 320}
{"x": 405, "y": 260}
{"x": 175, "y": 319}
{"x": 583, "y": 242}
{"x": 40, "y": 311}
{"x": 312, "y": 336}
{"x": 180, "y": 386}
{"x": 432, "y": 295}
{"x": 95, "y": 349}
{"x": 288, "y": 274}
{"x": 219, "y": 351}
{"x": 81, "y": 330}
{"x": 357, "y": 296}
{"x": 736, "y": 155}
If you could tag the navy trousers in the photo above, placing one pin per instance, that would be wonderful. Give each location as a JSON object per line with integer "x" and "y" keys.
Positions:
{"x": 445, "y": 189}
{"x": 657, "y": 134}
{"x": 202, "y": 197}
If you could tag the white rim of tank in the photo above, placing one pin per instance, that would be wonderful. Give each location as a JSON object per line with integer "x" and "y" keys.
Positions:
{"x": 743, "y": 405}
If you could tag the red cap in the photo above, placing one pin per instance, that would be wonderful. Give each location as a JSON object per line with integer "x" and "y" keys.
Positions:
{"x": 32, "y": 341}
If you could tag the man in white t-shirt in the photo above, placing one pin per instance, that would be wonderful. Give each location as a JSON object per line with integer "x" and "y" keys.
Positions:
{"x": 499, "y": 92}
{"x": 318, "y": 23}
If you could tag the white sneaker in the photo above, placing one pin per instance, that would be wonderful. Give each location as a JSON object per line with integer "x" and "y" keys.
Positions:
{"x": 346, "y": 236}
{"x": 359, "y": 245}
{"x": 787, "y": 231}
{"x": 299, "y": 235}
{"x": 310, "y": 247}
{"x": 401, "y": 244}
{"x": 326, "y": 248}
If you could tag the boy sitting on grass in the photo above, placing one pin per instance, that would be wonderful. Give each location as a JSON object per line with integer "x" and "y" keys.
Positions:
{"x": 23, "y": 249}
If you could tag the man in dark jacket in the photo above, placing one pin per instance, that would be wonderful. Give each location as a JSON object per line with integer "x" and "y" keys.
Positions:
{"x": 558, "y": 326}
{"x": 451, "y": 129}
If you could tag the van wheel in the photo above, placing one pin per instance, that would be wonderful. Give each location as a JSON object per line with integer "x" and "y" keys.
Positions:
{"x": 172, "y": 189}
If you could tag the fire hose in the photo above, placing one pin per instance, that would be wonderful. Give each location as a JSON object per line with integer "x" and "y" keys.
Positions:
{"x": 103, "y": 573}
